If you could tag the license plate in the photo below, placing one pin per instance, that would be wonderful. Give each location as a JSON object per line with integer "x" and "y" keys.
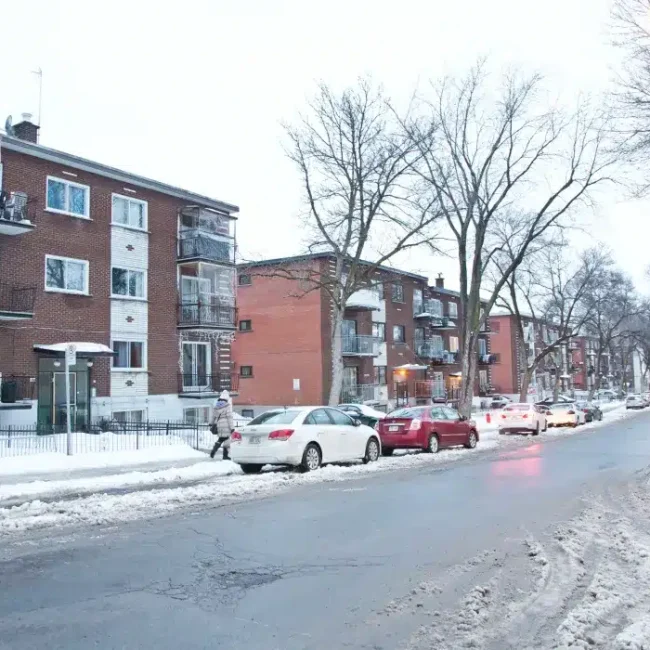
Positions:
{"x": 255, "y": 440}
{"x": 395, "y": 428}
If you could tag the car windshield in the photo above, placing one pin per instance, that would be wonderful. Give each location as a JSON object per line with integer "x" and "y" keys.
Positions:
{"x": 275, "y": 417}
{"x": 407, "y": 413}
{"x": 518, "y": 407}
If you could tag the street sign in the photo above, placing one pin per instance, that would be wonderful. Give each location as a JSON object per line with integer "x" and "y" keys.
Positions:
{"x": 71, "y": 354}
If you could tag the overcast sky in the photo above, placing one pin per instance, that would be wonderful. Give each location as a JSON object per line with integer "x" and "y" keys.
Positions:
{"x": 193, "y": 93}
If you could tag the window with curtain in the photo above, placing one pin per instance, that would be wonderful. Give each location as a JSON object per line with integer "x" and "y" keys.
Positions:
{"x": 67, "y": 197}
{"x": 129, "y": 212}
{"x": 126, "y": 282}
{"x": 129, "y": 355}
{"x": 66, "y": 274}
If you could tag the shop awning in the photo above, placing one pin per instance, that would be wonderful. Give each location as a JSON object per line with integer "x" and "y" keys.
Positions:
{"x": 83, "y": 349}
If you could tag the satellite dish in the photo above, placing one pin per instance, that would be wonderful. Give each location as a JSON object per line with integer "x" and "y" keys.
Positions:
{"x": 9, "y": 126}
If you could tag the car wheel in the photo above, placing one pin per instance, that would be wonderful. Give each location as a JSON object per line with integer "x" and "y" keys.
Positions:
{"x": 537, "y": 430}
{"x": 372, "y": 451}
{"x": 433, "y": 445}
{"x": 387, "y": 451}
{"x": 471, "y": 440}
{"x": 311, "y": 458}
{"x": 248, "y": 468}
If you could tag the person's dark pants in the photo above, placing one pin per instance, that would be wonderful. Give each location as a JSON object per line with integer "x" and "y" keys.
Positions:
{"x": 218, "y": 444}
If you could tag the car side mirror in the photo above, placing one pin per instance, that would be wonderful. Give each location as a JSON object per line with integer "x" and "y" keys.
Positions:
{"x": 357, "y": 423}
{"x": 462, "y": 418}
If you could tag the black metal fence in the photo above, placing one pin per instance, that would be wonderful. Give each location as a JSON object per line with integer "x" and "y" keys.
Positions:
{"x": 17, "y": 299}
{"x": 207, "y": 248}
{"x": 205, "y": 314}
{"x": 104, "y": 435}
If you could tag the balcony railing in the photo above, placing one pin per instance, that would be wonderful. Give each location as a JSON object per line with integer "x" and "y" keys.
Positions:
{"x": 198, "y": 314}
{"x": 487, "y": 359}
{"x": 359, "y": 393}
{"x": 443, "y": 323}
{"x": 428, "y": 309}
{"x": 201, "y": 384}
{"x": 362, "y": 346}
{"x": 450, "y": 357}
{"x": 16, "y": 302}
{"x": 14, "y": 215}
{"x": 429, "y": 350}
{"x": 16, "y": 388}
{"x": 429, "y": 389}
{"x": 194, "y": 245}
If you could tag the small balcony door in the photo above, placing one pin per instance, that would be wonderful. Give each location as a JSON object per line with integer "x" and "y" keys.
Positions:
{"x": 196, "y": 365}
{"x": 350, "y": 376}
{"x": 195, "y": 295}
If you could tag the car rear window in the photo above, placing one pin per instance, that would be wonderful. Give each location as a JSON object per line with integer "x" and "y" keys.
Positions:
{"x": 517, "y": 407}
{"x": 406, "y": 413}
{"x": 275, "y": 417}
{"x": 561, "y": 407}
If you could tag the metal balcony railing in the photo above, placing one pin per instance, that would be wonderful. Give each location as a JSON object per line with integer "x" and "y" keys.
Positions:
{"x": 360, "y": 345}
{"x": 359, "y": 393}
{"x": 429, "y": 389}
{"x": 200, "y": 383}
{"x": 487, "y": 359}
{"x": 194, "y": 245}
{"x": 13, "y": 207}
{"x": 15, "y": 388}
{"x": 17, "y": 300}
{"x": 450, "y": 357}
{"x": 429, "y": 350}
{"x": 428, "y": 309}
{"x": 199, "y": 314}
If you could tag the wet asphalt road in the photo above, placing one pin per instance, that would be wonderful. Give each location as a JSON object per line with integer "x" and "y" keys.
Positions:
{"x": 313, "y": 568}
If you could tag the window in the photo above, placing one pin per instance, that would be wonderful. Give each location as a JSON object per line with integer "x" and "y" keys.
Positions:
{"x": 245, "y": 326}
{"x": 435, "y": 306}
{"x": 246, "y": 371}
{"x": 437, "y": 414}
{"x": 380, "y": 375}
{"x": 129, "y": 417}
{"x": 453, "y": 344}
{"x": 399, "y": 335}
{"x": 379, "y": 331}
{"x": 419, "y": 334}
{"x": 247, "y": 413}
{"x": 245, "y": 280}
{"x": 482, "y": 347}
{"x": 197, "y": 415}
{"x": 398, "y": 293}
{"x": 379, "y": 288}
{"x": 452, "y": 308}
{"x": 319, "y": 416}
{"x": 436, "y": 342}
{"x": 129, "y": 212}
{"x": 418, "y": 301}
{"x": 67, "y": 197}
{"x": 285, "y": 416}
{"x": 339, "y": 418}
{"x": 127, "y": 283}
{"x": 129, "y": 355}
{"x": 452, "y": 414}
{"x": 350, "y": 376}
{"x": 66, "y": 275}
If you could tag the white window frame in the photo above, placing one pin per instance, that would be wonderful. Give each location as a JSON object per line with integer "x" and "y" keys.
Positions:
{"x": 482, "y": 347}
{"x": 437, "y": 343}
{"x": 85, "y": 290}
{"x": 129, "y": 413}
{"x": 129, "y": 341}
{"x": 456, "y": 346}
{"x": 208, "y": 358}
{"x": 204, "y": 408}
{"x": 128, "y": 226}
{"x": 67, "y": 183}
{"x": 452, "y": 308}
{"x": 119, "y": 296}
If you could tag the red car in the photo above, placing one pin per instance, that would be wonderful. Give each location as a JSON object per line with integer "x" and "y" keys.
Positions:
{"x": 425, "y": 427}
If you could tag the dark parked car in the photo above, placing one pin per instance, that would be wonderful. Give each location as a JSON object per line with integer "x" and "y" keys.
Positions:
{"x": 592, "y": 411}
{"x": 363, "y": 413}
{"x": 426, "y": 427}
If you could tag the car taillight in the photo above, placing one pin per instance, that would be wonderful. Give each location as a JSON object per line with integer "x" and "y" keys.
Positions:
{"x": 415, "y": 424}
{"x": 571, "y": 412}
{"x": 503, "y": 416}
{"x": 235, "y": 435}
{"x": 525, "y": 416}
{"x": 281, "y": 434}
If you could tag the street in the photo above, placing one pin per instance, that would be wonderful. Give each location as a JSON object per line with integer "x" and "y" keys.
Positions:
{"x": 538, "y": 546}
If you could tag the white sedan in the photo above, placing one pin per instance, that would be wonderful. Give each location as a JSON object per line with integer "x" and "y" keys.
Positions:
{"x": 561, "y": 415}
{"x": 523, "y": 417}
{"x": 305, "y": 437}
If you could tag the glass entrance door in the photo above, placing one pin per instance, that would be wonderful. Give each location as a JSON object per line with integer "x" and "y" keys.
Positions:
{"x": 196, "y": 365}
{"x": 59, "y": 406}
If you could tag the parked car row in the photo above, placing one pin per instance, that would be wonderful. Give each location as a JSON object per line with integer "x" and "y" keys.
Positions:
{"x": 308, "y": 437}
{"x": 535, "y": 418}
{"x": 636, "y": 402}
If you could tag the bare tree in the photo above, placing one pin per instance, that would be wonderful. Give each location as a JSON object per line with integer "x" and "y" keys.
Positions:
{"x": 357, "y": 168}
{"x": 501, "y": 160}
{"x": 549, "y": 288}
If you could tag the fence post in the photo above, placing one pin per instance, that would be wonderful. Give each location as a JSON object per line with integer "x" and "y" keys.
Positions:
{"x": 196, "y": 426}
{"x": 9, "y": 438}
{"x": 137, "y": 436}
{"x": 167, "y": 425}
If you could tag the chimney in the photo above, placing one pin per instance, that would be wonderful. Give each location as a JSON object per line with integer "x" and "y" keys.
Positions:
{"x": 26, "y": 129}
{"x": 440, "y": 281}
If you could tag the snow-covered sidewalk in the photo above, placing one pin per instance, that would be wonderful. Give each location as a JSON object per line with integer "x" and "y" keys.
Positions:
{"x": 155, "y": 493}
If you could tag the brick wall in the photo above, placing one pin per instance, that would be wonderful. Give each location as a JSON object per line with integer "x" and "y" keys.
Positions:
{"x": 502, "y": 342}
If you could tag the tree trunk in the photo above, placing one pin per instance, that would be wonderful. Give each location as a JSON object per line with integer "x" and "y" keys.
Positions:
{"x": 468, "y": 370}
{"x": 337, "y": 356}
{"x": 556, "y": 385}
{"x": 525, "y": 383}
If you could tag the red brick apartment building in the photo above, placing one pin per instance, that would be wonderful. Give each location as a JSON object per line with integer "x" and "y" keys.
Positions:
{"x": 572, "y": 363}
{"x": 283, "y": 348}
{"x": 139, "y": 273}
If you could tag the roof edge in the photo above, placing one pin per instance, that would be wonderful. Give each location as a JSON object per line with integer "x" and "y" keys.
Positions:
{"x": 83, "y": 164}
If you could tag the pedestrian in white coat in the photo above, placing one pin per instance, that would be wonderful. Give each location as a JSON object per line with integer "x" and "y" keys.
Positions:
{"x": 222, "y": 424}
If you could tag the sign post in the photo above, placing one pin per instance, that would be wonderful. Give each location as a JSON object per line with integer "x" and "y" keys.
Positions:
{"x": 70, "y": 360}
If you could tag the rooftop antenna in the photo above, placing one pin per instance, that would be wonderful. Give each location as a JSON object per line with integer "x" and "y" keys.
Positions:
{"x": 9, "y": 129}
{"x": 39, "y": 73}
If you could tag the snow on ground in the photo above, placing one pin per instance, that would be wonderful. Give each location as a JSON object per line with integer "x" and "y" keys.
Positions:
{"x": 219, "y": 482}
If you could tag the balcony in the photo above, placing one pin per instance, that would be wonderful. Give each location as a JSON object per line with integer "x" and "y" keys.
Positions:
{"x": 16, "y": 391}
{"x": 429, "y": 389}
{"x": 487, "y": 359}
{"x": 428, "y": 309}
{"x": 359, "y": 393}
{"x": 199, "y": 314}
{"x": 364, "y": 299}
{"x": 450, "y": 358}
{"x": 201, "y": 385}
{"x": 360, "y": 346}
{"x": 429, "y": 350}
{"x": 16, "y": 303}
{"x": 194, "y": 245}
{"x": 14, "y": 217}
{"x": 443, "y": 323}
